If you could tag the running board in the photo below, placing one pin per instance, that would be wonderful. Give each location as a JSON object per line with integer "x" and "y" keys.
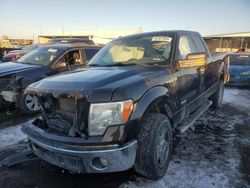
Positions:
{"x": 194, "y": 116}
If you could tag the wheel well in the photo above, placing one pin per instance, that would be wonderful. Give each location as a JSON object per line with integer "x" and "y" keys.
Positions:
{"x": 161, "y": 105}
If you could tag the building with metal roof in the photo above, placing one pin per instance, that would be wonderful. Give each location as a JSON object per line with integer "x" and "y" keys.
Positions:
{"x": 231, "y": 42}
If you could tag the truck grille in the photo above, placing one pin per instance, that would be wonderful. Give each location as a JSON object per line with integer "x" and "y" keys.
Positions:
{"x": 67, "y": 104}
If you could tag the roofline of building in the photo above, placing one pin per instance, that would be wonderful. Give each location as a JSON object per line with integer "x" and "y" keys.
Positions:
{"x": 65, "y": 36}
{"x": 225, "y": 34}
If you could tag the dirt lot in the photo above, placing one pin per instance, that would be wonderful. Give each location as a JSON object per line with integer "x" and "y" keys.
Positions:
{"x": 215, "y": 154}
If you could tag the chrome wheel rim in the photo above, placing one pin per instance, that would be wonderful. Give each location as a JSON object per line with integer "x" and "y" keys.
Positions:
{"x": 31, "y": 102}
{"x": 162, "y": 148}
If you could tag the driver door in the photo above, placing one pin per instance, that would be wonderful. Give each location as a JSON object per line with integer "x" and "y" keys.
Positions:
{"x": 189, "y": 80}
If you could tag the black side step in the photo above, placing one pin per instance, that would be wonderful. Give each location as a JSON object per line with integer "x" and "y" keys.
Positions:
{"x": 194, "y": 116}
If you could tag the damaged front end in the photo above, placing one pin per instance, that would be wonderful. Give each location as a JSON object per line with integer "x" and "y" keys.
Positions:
{"x": 64, "y": 115}
{"x": 60, "y": 136}
{"x": 10, "y": 86}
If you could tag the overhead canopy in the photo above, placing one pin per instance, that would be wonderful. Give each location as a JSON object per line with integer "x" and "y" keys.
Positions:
{"x": 232, "y": 42}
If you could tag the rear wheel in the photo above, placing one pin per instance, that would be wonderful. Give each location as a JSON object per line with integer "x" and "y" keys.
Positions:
{"x": 154, "y": 149}
{"x": 218, "y": 96}
{"x": 29, "y": 103}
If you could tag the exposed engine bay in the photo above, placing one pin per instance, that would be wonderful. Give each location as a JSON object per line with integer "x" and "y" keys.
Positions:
{"x": 63, "y": 115}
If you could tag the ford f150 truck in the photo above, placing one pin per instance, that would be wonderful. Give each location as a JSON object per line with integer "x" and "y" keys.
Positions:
{"x": 121, "y": 110}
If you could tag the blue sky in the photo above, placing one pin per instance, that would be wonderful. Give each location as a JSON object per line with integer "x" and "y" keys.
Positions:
{"x": 28, "y": 18}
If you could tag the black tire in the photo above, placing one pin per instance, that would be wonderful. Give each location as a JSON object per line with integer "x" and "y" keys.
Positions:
{"x": 148, "y": 164}
{"x": 218, "y": 96}
{"x": 23, "y": 105}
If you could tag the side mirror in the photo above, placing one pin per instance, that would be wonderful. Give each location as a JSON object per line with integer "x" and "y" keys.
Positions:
{"x": 60, "y": 65}
{"x": 193, "y": 60}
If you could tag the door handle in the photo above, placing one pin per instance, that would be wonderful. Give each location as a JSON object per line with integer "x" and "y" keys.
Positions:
{"x": 202, "y": 70}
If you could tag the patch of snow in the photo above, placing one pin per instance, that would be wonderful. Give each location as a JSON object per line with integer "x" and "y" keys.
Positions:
{"x": 237, "y": 97}
{"x": 11, "y": 136}
{"x": 207, "y": 156}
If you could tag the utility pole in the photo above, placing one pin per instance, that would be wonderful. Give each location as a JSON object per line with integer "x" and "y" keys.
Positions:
{"x": 63, "y": 30}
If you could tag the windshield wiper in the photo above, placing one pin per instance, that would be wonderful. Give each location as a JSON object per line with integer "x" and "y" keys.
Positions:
{"x": 94, "y": 65}
{"x": 125, "y": 64}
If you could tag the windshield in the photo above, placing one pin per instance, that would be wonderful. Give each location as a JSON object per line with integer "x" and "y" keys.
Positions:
{"x": 29, "y": 48}
{"x": 243, "y": 60}
{"x": 41, "y": 56}
{"x": 142, "y": 49}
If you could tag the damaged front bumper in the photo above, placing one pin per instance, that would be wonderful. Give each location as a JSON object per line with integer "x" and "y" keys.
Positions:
{"x": 81, "y": 158}
{"x": 9, "y": 88}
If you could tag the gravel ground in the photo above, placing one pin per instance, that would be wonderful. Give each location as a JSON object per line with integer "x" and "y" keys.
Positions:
{"x": 216, "y": 153}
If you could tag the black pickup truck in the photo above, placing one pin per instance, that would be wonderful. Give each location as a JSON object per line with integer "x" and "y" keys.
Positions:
{"x": 121, "y": 110}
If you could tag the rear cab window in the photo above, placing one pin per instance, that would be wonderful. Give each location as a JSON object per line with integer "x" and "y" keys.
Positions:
{"x": 90, "y": 52}
{"x": 199, "y": 45}
{"x": 243, "y": 60}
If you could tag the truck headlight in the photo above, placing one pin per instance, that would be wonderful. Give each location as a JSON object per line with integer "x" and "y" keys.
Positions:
{"x": 102, "y": 115}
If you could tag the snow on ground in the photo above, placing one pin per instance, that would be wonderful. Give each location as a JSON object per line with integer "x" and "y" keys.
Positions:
{"x": 208, "y": 156}
{"x": 11, "y": 136}
{"x": 238, "y": 97}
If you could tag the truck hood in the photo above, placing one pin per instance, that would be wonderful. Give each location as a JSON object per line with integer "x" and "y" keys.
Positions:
{"x": 100, "y": 84}
{"x": 11, "y": 68}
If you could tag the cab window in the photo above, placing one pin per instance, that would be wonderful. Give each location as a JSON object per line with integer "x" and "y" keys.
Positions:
{"x": 243, "y": 60}
{"x": 89, "y": 53}
{"x": 199, "y": 45}
{"x": 72, "y": 57}
{"x": 186, "y": 46}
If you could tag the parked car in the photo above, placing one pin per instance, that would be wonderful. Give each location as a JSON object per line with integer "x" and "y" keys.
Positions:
{"x": 27, "y": 50}
{"x": 10, "y": 55}
{"x": 36, "y": 65}
{"x": 71, "y": 41}
{"x": 16, "y": 54}
{"x": 239, "y": 69}
{"x": 120, "y": 111}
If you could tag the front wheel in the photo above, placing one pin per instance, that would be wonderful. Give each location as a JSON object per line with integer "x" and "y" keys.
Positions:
{"x": 154, "y": 149}
{"x": 29, "y": 103}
